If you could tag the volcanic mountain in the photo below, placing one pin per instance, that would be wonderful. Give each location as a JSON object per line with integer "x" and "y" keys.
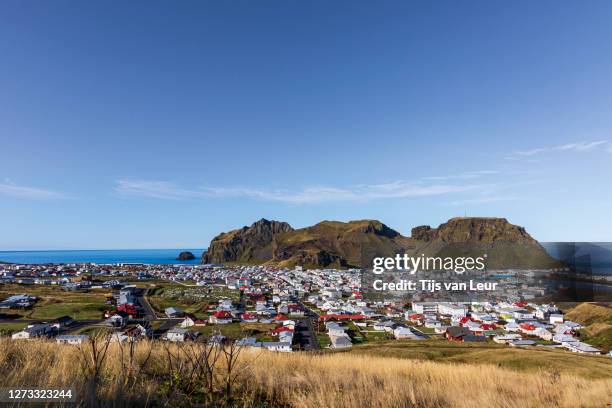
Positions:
{"x": 355, "y": 243}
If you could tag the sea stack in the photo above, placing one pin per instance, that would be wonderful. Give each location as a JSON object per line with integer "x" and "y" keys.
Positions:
{"x": 185, "y": 256}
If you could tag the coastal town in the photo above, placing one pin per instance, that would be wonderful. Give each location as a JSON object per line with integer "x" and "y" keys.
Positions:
{"x": 276, "y": 309}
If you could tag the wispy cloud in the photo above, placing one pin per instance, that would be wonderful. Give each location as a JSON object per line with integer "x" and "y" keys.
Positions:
{"x": 463, "y": 176}
{"x": 319, "y": 194}
{"x": 10, "y": 189}
{"x": 305, "y": 195}
{"x": 569, "y": 147}
{"x": 154, "y": 189}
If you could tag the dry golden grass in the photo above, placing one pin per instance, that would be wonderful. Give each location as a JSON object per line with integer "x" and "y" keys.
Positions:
{"x": 160, "y": 374}
{"x": 348, "y": 380}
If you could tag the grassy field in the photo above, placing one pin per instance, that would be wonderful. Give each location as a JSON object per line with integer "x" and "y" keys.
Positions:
{"x": 323, "y": 340}
{"x": 238, "y": 330}
{"x": 7, "y": 329}
{"x": 194, "y": 300}
{"x": 371, "y": 335}
{"x": 162, "y": 374}
{"x": 91, "y": 330}
{"x": 55, "y": 302}
{"x": 532, "y": 359}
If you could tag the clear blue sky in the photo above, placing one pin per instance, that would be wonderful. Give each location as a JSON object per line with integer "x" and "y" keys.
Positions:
{"x": 159, "y": 124}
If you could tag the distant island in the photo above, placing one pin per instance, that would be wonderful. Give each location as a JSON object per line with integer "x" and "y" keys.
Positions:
{"x": 335, "y": 244}
{"x": 185, "y": 256}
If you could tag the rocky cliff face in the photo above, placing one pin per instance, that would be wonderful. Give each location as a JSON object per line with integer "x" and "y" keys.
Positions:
{"x": 481, "y": 230}
{"x": 506, "y": 245}
{"x": 247, "y": 244}
{"x": 356, "y": 243}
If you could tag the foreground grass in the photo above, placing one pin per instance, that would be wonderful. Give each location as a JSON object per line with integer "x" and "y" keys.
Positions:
{"x": 156, "y": 374}
{"x": 530, "y": 359}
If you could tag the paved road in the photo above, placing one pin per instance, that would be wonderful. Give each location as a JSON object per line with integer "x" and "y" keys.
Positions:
{"x": 146, "y": 306}
{"x": 305, "y": 336}
{"x": 305, "y": 333}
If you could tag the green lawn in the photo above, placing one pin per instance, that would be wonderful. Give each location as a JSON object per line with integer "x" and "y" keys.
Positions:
{"x": 55, "y": 302}
{"x": 194, "y": 300}
{"x": 375, "y": 336}
{"x": 426, "y": 330}
{"x": 237, "y": 330}
{"x": 323, "y": 340}
{"x": 6, "y": 329}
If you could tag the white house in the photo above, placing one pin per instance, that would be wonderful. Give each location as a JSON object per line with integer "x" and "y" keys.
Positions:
{"x": 176, "y": 334}
{"x": 334, "y": 329}
{"x": 33, "y": 331}
{"x": 338, "y": 342}
{"x": 187, "y": 322}
{"x": 453, "y": 310}
{"x": 173, "y": 312}
{"x": 72, "y": 338}
{"x": 522, "y": 314}
{"x": 425, "y": 307}
{"x": 507, "y": 338}
{"x": 556, "y": 318}
{"x": 404, "y": 333}
{"x": 543, "y": 333}
{"x": 512, "y": 327}
{"x": 563, "y": 338}
{"x": 579, "y": 347}
{"x": 220, "y": 317}
{"x": 115, "y": 320}
{"x": 281, "y": 346}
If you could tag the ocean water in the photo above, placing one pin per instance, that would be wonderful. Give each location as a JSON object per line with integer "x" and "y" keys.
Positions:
{"x": 111, "y": 256}
{"x": 586, "y": 256}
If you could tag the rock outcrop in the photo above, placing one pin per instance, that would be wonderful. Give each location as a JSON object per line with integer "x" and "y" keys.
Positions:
{"x": 506, "y": 245}
{"x": 356, "y": 243}
{"x": 246, "y": 245}
{"x": 185, "y": 256}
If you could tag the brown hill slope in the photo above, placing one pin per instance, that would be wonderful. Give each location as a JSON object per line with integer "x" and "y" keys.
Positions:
{"x": 355, "y": 243}
{"x": 597, "y": 321}
{"x": 506, "y": 245}
{"x": 337, "y": 244}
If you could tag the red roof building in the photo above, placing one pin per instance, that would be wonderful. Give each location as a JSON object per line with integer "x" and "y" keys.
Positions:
{"x": 222, "y": 314}
{"x": 281, "y": 329}
{"x": 464, "y": 320}
{"x": 527, "y": 326}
